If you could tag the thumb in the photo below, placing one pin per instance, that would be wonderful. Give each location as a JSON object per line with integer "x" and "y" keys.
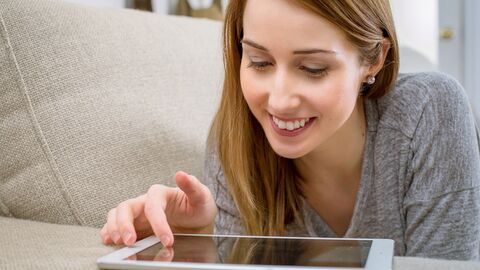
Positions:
{"x": 196, "y": 192}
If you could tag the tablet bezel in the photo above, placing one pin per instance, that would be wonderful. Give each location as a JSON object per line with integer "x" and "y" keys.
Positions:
{"x": 380, "y": 256}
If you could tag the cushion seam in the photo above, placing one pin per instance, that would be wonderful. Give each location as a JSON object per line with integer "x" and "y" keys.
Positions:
{"x": 4, "y": 209}
{"x": 21, "y": 85}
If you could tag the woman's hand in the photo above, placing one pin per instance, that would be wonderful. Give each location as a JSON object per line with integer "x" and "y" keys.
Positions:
{"x": 188, "y": 208}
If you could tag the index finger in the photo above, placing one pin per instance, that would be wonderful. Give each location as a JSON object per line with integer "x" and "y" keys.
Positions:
{"x": 196, "y": 192}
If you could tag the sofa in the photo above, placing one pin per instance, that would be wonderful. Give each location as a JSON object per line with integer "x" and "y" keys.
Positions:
{"x": 96, "y": 105}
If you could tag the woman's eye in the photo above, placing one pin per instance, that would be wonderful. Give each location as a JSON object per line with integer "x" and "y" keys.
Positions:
{"x": 260, "y": 65}
{"x": 315, "y": 72}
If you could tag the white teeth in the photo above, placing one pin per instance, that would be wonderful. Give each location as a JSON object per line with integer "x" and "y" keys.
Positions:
{"x": 290, "y": 125}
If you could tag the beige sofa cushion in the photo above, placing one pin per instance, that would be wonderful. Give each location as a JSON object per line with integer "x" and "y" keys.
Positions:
{"x": 96, "y": 105}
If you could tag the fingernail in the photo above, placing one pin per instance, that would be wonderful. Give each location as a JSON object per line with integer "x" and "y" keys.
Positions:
{"x": 165, "y": 240}
{"x": 115, "y": 237}
{"x": 165, "y": 253}
{"x": 126, "y": 237}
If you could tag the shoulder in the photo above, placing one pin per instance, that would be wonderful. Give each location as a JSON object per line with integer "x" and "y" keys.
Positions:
{"x": 429, "y": 87}
{"x": 421, "y": 95}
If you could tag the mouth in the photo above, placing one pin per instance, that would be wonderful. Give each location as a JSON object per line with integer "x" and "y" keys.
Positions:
{"x": 291, "y": 127}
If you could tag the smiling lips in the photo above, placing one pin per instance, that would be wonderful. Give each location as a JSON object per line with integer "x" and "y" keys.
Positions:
{"x": 290, "y": 128}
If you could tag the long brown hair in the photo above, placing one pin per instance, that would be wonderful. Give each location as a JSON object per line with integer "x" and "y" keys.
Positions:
{"x": 262, "y": 183}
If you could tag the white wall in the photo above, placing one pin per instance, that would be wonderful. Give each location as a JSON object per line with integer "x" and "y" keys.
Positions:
{"x": 159, "y": 6}
{"x": 100, "y": 3}
{"x": 472, "y": 54}
{"x": 169, "y": 6}
{"x": 417, "y": 27}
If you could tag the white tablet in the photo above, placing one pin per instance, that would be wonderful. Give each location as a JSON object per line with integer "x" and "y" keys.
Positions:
{"x": 195, "y": 251}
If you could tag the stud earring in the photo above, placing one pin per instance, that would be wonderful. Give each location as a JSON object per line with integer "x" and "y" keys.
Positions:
{"x": 370, "y": 79}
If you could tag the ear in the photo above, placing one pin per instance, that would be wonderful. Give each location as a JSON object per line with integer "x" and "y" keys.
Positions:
{"x": 375, "y": 67}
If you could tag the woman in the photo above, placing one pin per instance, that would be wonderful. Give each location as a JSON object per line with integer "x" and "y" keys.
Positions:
{"x": 316, "y": 135}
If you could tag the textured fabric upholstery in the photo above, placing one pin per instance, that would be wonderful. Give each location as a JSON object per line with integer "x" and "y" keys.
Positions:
{"x": 96, "y": 105}
{"x": 39, "y": 245}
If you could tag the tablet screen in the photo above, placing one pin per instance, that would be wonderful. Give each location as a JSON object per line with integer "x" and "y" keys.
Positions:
{"x": 263, "y": 251}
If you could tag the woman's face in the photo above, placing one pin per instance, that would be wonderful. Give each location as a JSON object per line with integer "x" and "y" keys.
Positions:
{"x": 299, "y": 75}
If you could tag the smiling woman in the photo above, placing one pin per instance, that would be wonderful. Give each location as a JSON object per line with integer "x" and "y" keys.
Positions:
{"x": 317, "y": 135}
{"x": 310, "y": 68}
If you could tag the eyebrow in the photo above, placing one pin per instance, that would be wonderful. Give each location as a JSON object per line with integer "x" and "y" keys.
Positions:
{"x": 307, "y": 51}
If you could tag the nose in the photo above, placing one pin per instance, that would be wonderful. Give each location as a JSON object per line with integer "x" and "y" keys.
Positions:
{"x": 283, "y": 98}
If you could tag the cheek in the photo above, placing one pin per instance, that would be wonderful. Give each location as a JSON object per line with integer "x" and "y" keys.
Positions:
{"x": 336, "y": 97}
{"x": 251, "y": 88}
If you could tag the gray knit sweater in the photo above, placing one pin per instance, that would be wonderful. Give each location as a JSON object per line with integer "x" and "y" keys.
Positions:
{"x": 420, "y": 177}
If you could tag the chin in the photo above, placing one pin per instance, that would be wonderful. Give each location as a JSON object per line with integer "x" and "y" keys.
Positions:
{"x": 286, "y": 151}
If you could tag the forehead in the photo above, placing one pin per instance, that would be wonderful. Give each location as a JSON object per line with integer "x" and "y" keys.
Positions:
{"x": 286, "y": 24}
